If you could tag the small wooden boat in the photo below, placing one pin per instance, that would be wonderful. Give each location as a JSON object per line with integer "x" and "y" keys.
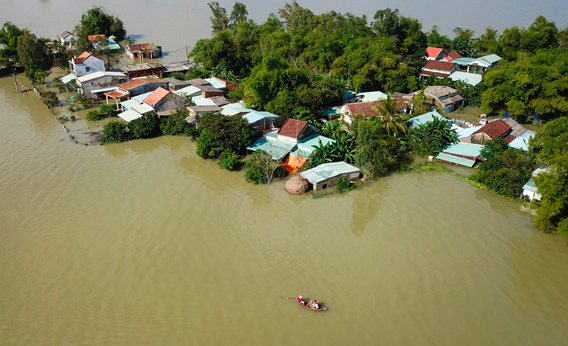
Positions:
{"x": 310, "y": 306}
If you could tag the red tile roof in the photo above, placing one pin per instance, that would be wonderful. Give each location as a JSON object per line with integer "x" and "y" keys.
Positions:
{"x": 495, "y": 129}
{"x": 510, "y": 138}
{"x": 292, "y": 128}
{"x": 433, "y": 52}
{"x": 453, "y": 55}
{"x": 138, "y": 82}
{"x": 140, "y": 46}
{"x": 95, "y": 37}
{"x": 363, "y": 108}
{"x": 81, "y": 58}
{"x": 437, "y": 74}
{"x": 116, "y": 94}
{"x": 156, "y": 96}
{"x": 439, "y": 65}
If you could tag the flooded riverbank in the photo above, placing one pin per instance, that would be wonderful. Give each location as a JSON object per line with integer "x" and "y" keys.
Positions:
{"x": 145, "y": 243}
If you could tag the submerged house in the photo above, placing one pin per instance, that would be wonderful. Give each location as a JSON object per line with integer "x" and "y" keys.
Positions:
{"x": 367, "y": 109}
{"x": 66, "y": 38}
{"x": 144, "y": 69}
{"x": 325, "y": 175}
{"x": 135, "y": 87}
{"x": 143, "y": 51}
{"x": 491, "y": 130}
{"x": 460, "y": 153}
{"x": 530, "y": 191}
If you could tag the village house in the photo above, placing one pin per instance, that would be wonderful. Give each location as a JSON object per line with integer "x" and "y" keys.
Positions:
{"x": 490, "y": 131}
{"x": 422, "y": 119}
{"x": 466, "y": 77}
{"x": 94, "y": 85}
{"x": 135, "y": 87}
{"x": 434, "y": 53}
{"x": 143, "y": 51}
{"x": 325, "y": 175}
{"x": 172, "y": 67}
{"x": 370, "y": 96}
{"x": 460, "y": 153}
{"x": 445, "y": 98}
{"x": 144, "y": 69}
{"x": 530, "y": 191}
{"x": 367, "y": 109}
{"x": 452, "y": 56}
{"x": 86, "y": 63}
{"x": 478, "y": 65}
{"x": 177, "y": 84}
{"x": 67, "y": 39}
{"x": 440, "y": 69}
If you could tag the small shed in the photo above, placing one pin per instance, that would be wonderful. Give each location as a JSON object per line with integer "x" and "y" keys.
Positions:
{"x": 324, "y": 176}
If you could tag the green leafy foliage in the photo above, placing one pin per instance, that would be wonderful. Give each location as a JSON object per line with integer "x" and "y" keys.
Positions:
{"x": 506, "y": 169}
{"x": 93, "y": 115}
{"x": 145, "y": 127}
{"x": 221, "y": 133}
{"x": 95, "y": 22}
{"x": 175, "y": 124}
{"x": 261, "y": 168}
{"x": 549, "y": 146}
{"x": 432, "y": 137}
{"x": 343, "y": 185}
{"x": 228, "y": 160}
{"x": 116, "y": 131}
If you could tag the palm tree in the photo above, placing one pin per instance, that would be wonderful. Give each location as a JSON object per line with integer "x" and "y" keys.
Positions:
{"x": 391, "y": 119}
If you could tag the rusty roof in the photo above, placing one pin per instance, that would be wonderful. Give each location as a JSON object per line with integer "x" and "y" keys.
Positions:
{"x": 363, "y": 108}
{"x": 453, "y": 55}
{"x": 438, "y": 65}
{"x": 156, "y": 96}
{"x": 292, "y": 128}
{"x": 495, "y": 129}
{"x": 141, "y": 66}
{"x": 198, "y": 81}
{"x": 138, "y": 82}
{"x": 141, "y": 46}
{"x": 116, "y": 94}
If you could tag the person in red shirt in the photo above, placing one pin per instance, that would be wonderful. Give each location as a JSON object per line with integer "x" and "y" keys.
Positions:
{"x": 300, "y": 299}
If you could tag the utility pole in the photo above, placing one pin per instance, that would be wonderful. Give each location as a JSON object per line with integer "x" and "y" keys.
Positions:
{"x": 15, "y": 81}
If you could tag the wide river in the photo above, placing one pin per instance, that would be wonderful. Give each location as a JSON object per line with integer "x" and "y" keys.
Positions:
{"x": 144, "y": 243}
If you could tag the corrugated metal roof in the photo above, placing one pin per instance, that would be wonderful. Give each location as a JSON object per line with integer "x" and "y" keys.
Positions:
{"x": 306, "y": 146}
{"x": 189, "y": 91}
{"x": 464, "y": 149}
{"x": 96, "y": 91}
{"x": 143, "y": 108}
{"x": 468, "y": 131}
{"x": 140, "y": 98}
{"x": 469, "y": 78}
{"x": 424, "y": 118}
{"x": 463, "y": 61}
{"x": 216, "y": 83}
{"x": 129, "y": 103}
{"x": 456, "y": 159}
{"x": 372, "y": 96}
{"x": 130, "y": 115}
{"x": 522, "y": 142}
{"x": 68, "y": 78}
{"x": 255, "y": 116}
{"x": 100, "y": 74}
{"x": 328, "y": 170}
{"x": 277, "y": 149}
{"x": 530, "y": 186}
{"x": 491, "y": 58}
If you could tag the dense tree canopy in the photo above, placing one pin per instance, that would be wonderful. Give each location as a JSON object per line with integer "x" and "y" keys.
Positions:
{"x": 95, "y": 22}
{"x": 549, "y": 146}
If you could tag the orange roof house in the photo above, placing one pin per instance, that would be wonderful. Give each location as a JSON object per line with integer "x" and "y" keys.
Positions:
{"x": 156, "y": 96}
{"x": 434, "y": 53}
{"x": 295, "y": 130}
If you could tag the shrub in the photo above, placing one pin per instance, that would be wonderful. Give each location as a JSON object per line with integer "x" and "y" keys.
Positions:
{"x": 228, "y": 160}
{"x": 115, "y": 132}
{"x": 94, "y": 115}
{"x": 206, "y": 147}
{"x": 343, "y": 185}
{"x": 145, "y": 127}
{"x": 107, "y": 110}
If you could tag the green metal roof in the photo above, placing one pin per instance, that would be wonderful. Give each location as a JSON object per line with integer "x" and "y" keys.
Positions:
{"x": 424, "y": 118}
{"x": 530, "y": 186}
{"x": 277, "y": 149}
{"x": 306, "y": 146}
{"x": 464, "y": 149}
{"x": 491, "y": 58}
{"x": 456, "y": 159}
{"x": 327, "y": 171}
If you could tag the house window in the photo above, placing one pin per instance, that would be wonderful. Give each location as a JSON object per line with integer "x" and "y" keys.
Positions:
{"x": 87, "y": 69}
{"x": 324, "y": 186}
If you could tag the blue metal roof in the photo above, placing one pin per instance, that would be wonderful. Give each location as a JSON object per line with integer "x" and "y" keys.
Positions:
{"x": 277, "y": 149}
{"x": 522, "y": 142}
{"x": 372, "y": 96}
{"x": 255, "y": 116}
{"x": 530, "y": 186}
{"x": 215, "y": 83}
{"x": 469, "y": 78}
{"x": 468, "y": 131}
{"x": 463, "y": 61}
{"x": 491, "y": 58}
{"x": 424, "y": 118}
{"x": 306, "y": 146}
{"x": 327, "y": 171}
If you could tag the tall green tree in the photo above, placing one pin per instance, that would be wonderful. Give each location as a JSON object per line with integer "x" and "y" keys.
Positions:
{"x": 219, "y": 19}
{"x": 239, "y": 14}
{"x": 432, "y": 137}
{"x": 9, "y": 35}
{"x": 32, "y": 54}
{"x": 96, "y": 22}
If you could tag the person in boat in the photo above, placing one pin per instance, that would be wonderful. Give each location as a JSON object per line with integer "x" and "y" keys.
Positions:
{"x": 317, "y": 305}
{"x": 300, "y": 300}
